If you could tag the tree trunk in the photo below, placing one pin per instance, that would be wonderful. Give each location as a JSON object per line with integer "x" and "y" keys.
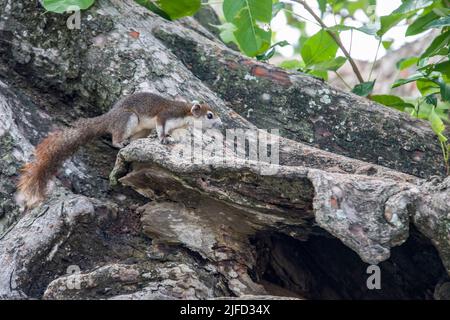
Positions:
{"x": 349, "y": 189}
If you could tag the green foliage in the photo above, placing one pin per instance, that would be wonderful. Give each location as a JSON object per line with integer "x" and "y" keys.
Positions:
{"x": 387, "y": 44}
{"x": 387, "y": 22}
{"x": 445, "y": 89}
{"x": 401, "y": 82}
{"x": 227, "y": 32}
{"x": 318, "y": 48}
{"x": 60, "y": 6}
{"x": 370, "y": 29}
{"x": 153, "y": 7}
{"x": 427, "y": 87}
{"x": 439, "y": 128}
{"x": 259, "y": 10}
{"x": 418, "y": 26}
{"x": 172, "y": 9}
{"x": 442, "y": 22}
{"x": 443, "y": 68}
{"x": 408, "y": 6}
{"x": 292, "y": 65}
{"x": 176, "y": 9}
{"x": 330, "y": 65}
{"x": 406, "y": 10}
{"x": 270, "y": 53}
{"x": 322, "y": 5}
{"x": 405, "y": 63}
{"x": 431, "y": 79}
{"x": 318, "y": 54}
{"x": 392, "y": 101}
{"x": 431, "y": 99}
{"x": 245, "y": 15}
{"x": 277, "y": 7}
{"x": 364, "y": 89}
{"x": 439, "y": 43}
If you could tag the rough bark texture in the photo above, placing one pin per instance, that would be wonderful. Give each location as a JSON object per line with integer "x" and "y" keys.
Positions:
{"x": 170, "y": 228}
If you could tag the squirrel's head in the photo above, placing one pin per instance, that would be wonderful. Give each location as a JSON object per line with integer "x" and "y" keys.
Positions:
{"x": 203, "y": 112}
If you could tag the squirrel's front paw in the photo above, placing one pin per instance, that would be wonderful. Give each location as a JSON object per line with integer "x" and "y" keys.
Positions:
{"x": 167, "y": 140}
{"x": 122, "y": 144}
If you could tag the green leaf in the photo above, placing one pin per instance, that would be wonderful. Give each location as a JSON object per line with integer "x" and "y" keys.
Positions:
{"x": 227, "y": 32}
{"x": 412, "y": 6}
{"x": 269, "y": 53}
{"x": 60, "y": 6}
{"x": 172, "y": 9}
{"x": 438, "y": 43}
{"x": 319, "y": 73}
{"x": 145, "y": 3}
{"x": 370, "y": 29}
{"x": 412, "y": 78}
{"x": 244, "y": 14}
{"x": 405, "y": 63}
{"x": 291, "y": 64}
{"x": 251, "y": 38}
{"x": 437, "y": 125}
{"x": 431, "y": 99}
{"x": 322, "y": 5}
{"x": 154, "y": 8}
{"x": 283, "y": 43}
{"x": 277, "y": 7}
{"x": 444, "y": 68}
{"x": 445, "y": 89}
{"x": 418, "y": 26}
{"x": 257, "y": 10}
{"x": 353, "y": 6}
{"x": 318, "y": 48}
{"x": 364, "y": 89}
{"x": 440, "y": 23}
{"x": 427, "y": 87}
{"x": 387, "y": 99}
{"x": 441, "y": 11}
{"x": 179, "y": 8}
{"x": 392, "y": 101}
{"x": 387, "y": 43}
{"x": 330, "y": 65}
{"x": 422, "y": 63}
{"x": 426, "y": 69}
{"x": 407, "y": 8}
{"x": 387, "y": 22}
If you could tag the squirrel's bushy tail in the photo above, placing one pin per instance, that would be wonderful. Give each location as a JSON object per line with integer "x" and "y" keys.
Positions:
{"x": 51, "y": 153}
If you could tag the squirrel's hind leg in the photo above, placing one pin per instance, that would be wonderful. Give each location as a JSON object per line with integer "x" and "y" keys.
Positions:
{"x": 124, "y": 129}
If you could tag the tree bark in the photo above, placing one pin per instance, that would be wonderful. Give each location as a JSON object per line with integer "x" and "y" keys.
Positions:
{"x": 348, "y": 169}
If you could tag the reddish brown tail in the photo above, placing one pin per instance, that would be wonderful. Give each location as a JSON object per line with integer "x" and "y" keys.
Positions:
{"x": 51, "y": 153}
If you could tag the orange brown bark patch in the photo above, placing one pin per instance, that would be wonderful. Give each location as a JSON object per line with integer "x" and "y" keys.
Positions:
{"x": 273, "y": 75}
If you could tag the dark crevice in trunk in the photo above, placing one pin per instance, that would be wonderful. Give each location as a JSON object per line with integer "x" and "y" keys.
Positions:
{"x": 113, "y": 241}
{"x": 324, "y": 268}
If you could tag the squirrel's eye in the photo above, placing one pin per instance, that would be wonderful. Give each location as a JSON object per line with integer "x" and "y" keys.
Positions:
{"x": 209, "y": 115}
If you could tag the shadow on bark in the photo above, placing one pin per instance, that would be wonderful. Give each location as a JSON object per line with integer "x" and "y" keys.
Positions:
{"x": 323, "y": 268}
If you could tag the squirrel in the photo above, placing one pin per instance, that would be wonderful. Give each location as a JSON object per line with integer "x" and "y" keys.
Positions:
{"x": 131, "y": 118}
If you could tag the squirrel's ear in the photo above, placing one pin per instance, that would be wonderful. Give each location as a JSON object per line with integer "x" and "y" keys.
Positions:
{"x": 196, "y": 109}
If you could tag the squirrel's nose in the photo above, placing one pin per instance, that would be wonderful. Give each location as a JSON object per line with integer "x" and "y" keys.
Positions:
{"x": 218, "y": 123}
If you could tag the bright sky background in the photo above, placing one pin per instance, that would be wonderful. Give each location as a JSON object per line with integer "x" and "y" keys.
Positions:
{"x": 364, "y": 46}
